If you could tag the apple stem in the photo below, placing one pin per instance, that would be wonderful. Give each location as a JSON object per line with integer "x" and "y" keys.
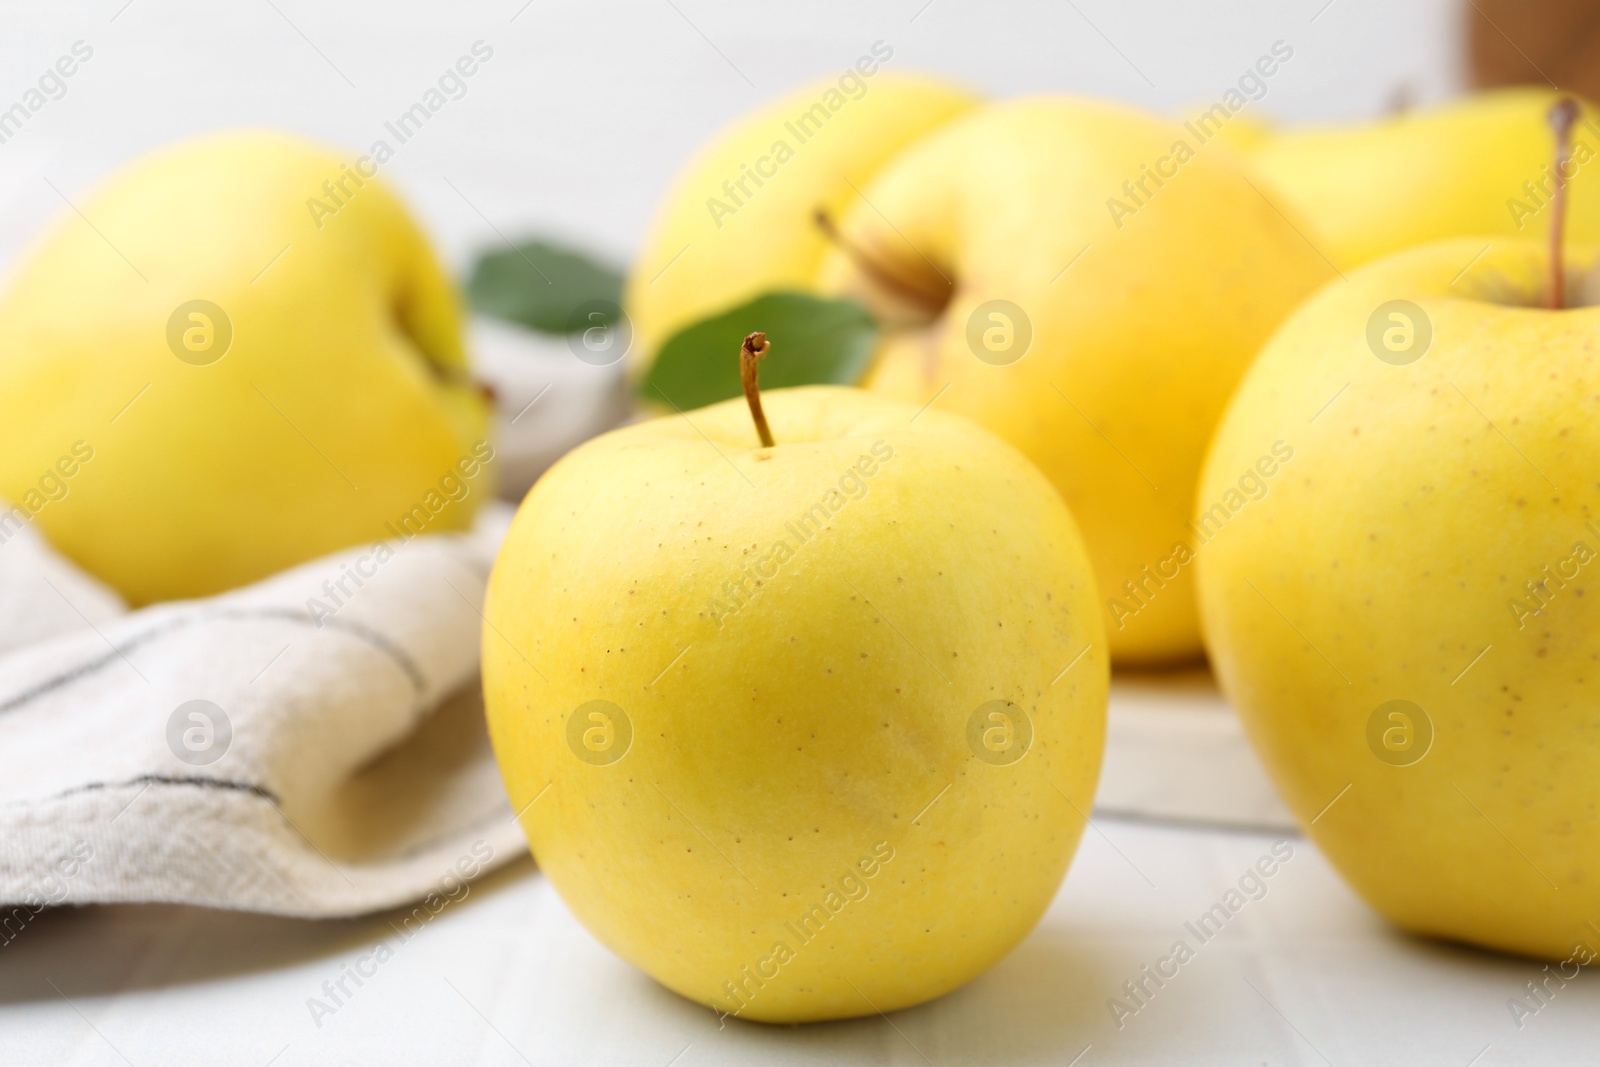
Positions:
{"x": 1563, "y": 113}
{"x": 755, "y": 348}
{"x": 877, "y": 271}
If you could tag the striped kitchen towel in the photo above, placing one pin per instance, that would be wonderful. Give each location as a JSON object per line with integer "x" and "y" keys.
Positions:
{"x": 310, "y": 745}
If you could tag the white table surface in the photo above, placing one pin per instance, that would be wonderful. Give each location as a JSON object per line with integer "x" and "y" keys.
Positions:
{"x": 1307, "y": 975}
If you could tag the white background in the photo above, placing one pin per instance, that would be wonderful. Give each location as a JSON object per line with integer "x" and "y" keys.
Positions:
{"x": 589, "y": 106}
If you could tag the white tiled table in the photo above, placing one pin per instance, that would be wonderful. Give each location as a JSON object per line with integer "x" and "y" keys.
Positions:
{"x": 1307, "y": 975}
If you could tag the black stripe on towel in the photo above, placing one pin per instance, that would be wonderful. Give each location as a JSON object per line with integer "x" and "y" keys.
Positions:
{"x": 383, "y": 644}
{"x": 228, "y": 784}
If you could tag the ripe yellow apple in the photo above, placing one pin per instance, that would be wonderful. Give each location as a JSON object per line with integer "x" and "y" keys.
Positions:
{"x": 1403, "y": 611}
{"x": 1241, "y": 132}
{"x": 1095, "y": 283}
{"x": 801, "y": 731}
{"x": 738, "y": 220}
{"x": 1481, "y": 165}
{"x": 237, "y": 355}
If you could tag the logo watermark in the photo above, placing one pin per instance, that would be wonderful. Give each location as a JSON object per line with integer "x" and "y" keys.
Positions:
{"x": 1399, "y": 332}
{"x": 1250, "y": 888}
{"x": 454, "y": 486}
{"x": 199, "y": 332}
{"x": 51, "y": 487}
{"x": 52, "y": 889}
{"x": 451, "y": 888}
{"x": 1399, "y": 733}
{"x": 599, "y": 332}
{"x": 51, "y": 85}
{"x": 1541, "y": 993}
{"x": 1542, "y": 588}
{"x": 1540, "y": 191}
{"x": 199, "y": 732}
{"x": 599, "y": 733}
{"x": 850, "y": 886}
{"x": 338, "y": 191}
{"x": 1251, "y": 86}
{"x": 999, "y": 332}
{"x": 1139, "y": 591}
{"x": 999, "y": 733}
{"x": 738, "y": 191}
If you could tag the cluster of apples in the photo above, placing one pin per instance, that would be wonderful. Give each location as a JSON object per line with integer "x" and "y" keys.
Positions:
{"x": 801, "y": 697}
{"x": 1248, "y": 409}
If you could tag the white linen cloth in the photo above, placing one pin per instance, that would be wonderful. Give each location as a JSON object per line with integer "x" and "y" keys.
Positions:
{"x": 338, "y": 763}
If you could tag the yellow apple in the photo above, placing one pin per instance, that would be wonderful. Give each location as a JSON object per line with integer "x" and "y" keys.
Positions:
{"x": 738, "y": 220}
{"x": 1096, "y": 280}
{"x": 1477, "y": 166}
{"x": 237, "y": 355}
{"x": 1241, "y": 132}
{"x": 802, "y": 731}
{"x": 1401, "y": 603}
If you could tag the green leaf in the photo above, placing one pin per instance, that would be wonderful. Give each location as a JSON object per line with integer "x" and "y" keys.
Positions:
{"x": 814, "y": 341}
{"x": 544, "y": 287}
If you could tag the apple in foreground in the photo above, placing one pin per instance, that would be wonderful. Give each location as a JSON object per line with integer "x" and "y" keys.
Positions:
{"x": 1406, "y": 616}
{"x": 806, "y": 731}
{"x": 1089, "y": 282}
{"x": 240, "y": 355}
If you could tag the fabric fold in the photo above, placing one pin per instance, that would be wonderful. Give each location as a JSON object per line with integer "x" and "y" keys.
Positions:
{"x": 311, "y": 745}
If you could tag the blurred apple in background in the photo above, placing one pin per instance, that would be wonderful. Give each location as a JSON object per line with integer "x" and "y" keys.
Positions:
{"x": 738, "y": 220}
{"x": 204, "y": 380}
{"x": 1089, "y": 282}
{"x": 1480, "y": 165}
